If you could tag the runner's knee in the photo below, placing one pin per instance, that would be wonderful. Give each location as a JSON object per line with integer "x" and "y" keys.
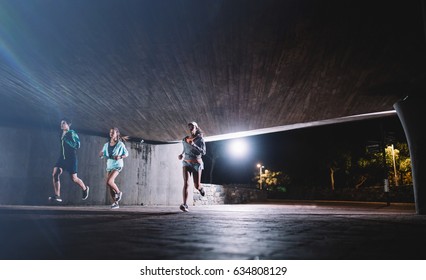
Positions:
{"x": 110, "y": 182}
{"x": 56, "y": 175}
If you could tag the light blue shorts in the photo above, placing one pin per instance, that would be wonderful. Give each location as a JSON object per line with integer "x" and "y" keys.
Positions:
{"x": 193, "y": 166}
{"x": 114, "y": 168}
{"x": 114, "y": 165}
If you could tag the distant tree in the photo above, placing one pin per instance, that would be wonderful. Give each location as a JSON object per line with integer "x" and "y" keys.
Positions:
{"x": 373, "y": 163}
{"x": 371, "y": 167}
{"x": 273, "y": 180}
{"x": 402, "y": 164}
{"x": 338, "y": 160}
{"x": 405, "y": 164}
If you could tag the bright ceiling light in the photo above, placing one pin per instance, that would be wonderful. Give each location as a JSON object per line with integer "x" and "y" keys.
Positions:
{"x": 238, "y": 147}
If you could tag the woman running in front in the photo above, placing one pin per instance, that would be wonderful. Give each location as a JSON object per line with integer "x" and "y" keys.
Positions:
{"x": 194, "y": 148}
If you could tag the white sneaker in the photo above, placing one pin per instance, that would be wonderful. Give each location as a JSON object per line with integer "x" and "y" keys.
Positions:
{"x": 86, "y": 193}
{"x": 55, "y": 198}
{"x": 184, "y": 208}
{"x": 115, "y": 205}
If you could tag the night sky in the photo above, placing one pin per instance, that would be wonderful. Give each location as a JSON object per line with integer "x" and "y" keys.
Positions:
{"x": 294, "y": 152}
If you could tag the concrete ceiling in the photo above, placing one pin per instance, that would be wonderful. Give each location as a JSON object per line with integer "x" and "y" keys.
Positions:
{"x": 150, "y": 66}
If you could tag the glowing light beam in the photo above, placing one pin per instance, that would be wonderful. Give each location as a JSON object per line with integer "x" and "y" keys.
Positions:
{"x": 238, "y": 148}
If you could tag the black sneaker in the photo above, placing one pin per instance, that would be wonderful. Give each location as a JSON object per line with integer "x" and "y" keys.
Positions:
{"x": 184, "y": 207}
{"x": 118, "y": 196}
{"x": 202, "y": 192}
{"x": 55, "y": 198}
{"x": 86, "y": 193}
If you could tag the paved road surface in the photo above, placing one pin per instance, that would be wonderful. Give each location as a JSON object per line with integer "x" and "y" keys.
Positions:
{"x": 271, "y": 231}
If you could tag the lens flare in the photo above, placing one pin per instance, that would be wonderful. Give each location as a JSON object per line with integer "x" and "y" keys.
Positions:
{"x": 238, "y": 147}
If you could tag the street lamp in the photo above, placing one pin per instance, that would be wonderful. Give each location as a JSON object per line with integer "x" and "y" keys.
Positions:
{"x": 394, "y": 166}
{"x": 260, "y": 174}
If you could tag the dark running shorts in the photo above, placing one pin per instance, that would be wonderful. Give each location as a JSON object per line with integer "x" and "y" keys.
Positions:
{"x": 70, "y": 164}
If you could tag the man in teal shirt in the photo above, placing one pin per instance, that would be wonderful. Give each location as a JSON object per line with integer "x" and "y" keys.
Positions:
{"x": 68, "y": 161}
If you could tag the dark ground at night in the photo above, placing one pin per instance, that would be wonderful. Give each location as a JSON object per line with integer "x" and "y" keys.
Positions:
{"x": 276, "y": 230}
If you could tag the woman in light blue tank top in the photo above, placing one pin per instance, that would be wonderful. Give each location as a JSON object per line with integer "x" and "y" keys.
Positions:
{"x": 114, "y": 151}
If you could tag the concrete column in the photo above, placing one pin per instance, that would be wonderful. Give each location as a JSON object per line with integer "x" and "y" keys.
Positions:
{"x": 411, "y": 111}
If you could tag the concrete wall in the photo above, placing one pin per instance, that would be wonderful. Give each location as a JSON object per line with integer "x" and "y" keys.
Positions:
{"x": 228, "y": 194}
{"x": 151, "y": 176}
